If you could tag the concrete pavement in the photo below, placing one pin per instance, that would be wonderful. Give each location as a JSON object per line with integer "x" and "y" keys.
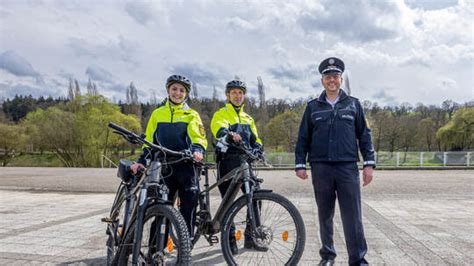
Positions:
{"x": 52, "y": 216}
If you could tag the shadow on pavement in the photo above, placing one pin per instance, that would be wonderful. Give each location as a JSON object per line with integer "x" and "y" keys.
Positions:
{"x": 93, "y": 261}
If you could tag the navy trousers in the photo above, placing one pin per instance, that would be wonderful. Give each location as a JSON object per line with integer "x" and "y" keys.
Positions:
{"x": 339, "y": 180}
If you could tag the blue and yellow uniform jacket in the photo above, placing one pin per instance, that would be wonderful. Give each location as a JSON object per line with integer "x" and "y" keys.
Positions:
{"x": 176, "y": 127}
{"x": 227, "y": 119}
{"x": 336, "y": 134}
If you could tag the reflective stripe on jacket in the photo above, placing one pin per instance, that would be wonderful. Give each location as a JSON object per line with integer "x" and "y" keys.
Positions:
{"x": 227, "y": 119}
{"x": 176, "y": 127}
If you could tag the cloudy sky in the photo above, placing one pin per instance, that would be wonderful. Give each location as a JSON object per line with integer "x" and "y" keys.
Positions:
{"x": 395, "y": 51}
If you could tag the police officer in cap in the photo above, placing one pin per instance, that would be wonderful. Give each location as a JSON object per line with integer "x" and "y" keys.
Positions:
{"x": 332, "y": 131}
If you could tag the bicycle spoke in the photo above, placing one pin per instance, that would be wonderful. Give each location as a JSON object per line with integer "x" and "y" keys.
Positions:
{"x": 277, "y": 238}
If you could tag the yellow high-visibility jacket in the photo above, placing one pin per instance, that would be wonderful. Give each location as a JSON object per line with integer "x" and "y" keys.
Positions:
{"x": 227, "y": 119}
{"x": 176, "y": 127}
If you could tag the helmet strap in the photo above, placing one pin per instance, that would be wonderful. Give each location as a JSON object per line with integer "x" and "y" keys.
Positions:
{"x": 171, "y": 101}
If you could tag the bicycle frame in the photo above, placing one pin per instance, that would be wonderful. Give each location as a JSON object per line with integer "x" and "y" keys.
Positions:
{"x": 140, "y": 203}
{"x": 239, "y": 176}
{"x": 135, "y": 206}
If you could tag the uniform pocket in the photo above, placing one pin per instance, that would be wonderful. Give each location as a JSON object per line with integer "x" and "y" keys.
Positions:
{"x": 320, "y": 117}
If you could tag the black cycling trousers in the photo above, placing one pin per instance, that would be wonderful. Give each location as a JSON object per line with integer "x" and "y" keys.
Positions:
{"x": 182, "y": 179}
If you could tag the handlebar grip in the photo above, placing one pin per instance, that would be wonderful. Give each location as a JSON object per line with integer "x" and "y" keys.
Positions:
{"x": 118, "y": 128}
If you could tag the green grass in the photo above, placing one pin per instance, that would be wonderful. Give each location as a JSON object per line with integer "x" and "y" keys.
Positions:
{"x": 36, "y": 160}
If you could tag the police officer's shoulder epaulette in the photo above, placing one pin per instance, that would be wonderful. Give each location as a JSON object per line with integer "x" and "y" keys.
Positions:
{"x": 353, "y": 98}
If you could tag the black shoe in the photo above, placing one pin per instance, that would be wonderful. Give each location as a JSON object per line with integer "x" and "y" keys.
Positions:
{"x": 233, "y": 246}
{"x": 326, "y": 262}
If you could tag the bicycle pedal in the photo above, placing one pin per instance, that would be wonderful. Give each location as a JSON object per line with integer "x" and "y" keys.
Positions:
{"x": 213, "y": 240}
{"x": 106, "y": 220}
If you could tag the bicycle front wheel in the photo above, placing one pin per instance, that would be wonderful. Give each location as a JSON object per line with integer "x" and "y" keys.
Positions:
{"x": 280, "y": 234}
{"x": 169, "y": 253}
{"x": 116, "y": 227}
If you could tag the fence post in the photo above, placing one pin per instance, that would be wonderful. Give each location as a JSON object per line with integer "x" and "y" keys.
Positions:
{"x": 398, "y": 159}
{"x": 421, "y": 158}
{"x": 375, "y": 157}
{"x": 445, "y": 158}
{"x": 468, "y": 158}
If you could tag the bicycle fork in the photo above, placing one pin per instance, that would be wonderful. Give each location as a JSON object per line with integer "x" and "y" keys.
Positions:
{"x": 139, "y": 225}
{"x": 253, "y": 217}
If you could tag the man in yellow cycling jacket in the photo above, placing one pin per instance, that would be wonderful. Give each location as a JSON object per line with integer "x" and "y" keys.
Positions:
{"x": 233, "y": 124}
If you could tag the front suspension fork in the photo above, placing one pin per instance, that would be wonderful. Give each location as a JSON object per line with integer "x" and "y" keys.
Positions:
{"x": 253, "y": 209}
{"x": 139, "y": 225}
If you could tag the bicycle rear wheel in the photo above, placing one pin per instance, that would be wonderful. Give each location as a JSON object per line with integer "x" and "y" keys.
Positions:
{"x": 169, "y": 254}
{"x": 280, "y": 236}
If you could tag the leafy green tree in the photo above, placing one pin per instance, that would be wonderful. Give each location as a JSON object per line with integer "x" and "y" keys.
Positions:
{"x": 12, "y": 141}
{"x": 282, "y": 131}
{"x": 77, "y": 131}
{"x": 458, "y": 133}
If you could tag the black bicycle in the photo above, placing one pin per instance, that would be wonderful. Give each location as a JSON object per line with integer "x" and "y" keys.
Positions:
{"x": 272, "y": 222}
{"x": 142, "y": 219}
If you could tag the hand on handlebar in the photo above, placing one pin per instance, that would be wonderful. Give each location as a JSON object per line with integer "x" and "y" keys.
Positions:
{"x": 197, "y": 156}
{"x": 136, "y": 167}
{"x": 257, "y": 152}
{"x": 235, "y": 137}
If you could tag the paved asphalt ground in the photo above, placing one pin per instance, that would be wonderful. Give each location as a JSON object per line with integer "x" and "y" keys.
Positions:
{"x": 52, "y": 216}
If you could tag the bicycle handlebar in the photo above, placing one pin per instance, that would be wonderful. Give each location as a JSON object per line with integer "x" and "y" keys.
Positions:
{"x": 135, "y": 139}
{"x": 249, "y": 152}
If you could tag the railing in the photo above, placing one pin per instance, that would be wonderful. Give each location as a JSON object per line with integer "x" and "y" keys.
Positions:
{"x": 384, "y": 159}
{"x": 395, "y": 159}
{"x": 104, "y": 159}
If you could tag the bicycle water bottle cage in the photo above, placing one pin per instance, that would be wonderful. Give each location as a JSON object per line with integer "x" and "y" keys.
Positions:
{"x": 124, "y": 171}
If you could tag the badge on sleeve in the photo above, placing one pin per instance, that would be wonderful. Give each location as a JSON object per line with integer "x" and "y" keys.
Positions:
{"x": 202, "y": 130}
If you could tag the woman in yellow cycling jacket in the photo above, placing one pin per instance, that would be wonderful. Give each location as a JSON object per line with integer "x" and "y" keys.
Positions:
{"x": 177, "y": 127}
{"x": 233, "y": 124}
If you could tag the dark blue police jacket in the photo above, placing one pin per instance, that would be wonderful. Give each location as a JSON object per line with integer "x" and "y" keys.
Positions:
{"x": 336, "y": 134}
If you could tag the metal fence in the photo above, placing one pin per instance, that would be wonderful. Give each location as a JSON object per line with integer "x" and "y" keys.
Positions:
{"x": 389, "y": 159}
{"x": 395, "y": 159}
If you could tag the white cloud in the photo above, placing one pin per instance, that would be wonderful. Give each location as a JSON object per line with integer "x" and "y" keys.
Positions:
{"x": 406, "y": 48}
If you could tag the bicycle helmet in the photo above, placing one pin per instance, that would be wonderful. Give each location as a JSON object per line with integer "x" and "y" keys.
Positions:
{"x": 179, "y": 79}
{"x": 235, "y": 84}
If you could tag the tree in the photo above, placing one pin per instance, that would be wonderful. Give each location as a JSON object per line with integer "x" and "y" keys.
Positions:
{"x": 458, "y": 134}
{"x": 194, "y": 91}
{"x": 408, "y": 124}
{"x": 92, "y": 88}
{"x": 379, "y": 127}
{"x": 133, "y": 105}
{"x": 11, "y": 142}
{"x": 449, "y": 107}
{"x": 282, "y": 131}
{"x": 77, "y": 89}
{"x": 77, "y": 131}
{"x": 426, "y": 133}
{"x": 70, "y": 90}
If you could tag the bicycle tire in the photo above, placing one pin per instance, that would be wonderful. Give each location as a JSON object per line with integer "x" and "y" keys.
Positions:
{"x": 182, "y": 256}
{"x": 117, "y": 215}
{"x": 279, "y": 219}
